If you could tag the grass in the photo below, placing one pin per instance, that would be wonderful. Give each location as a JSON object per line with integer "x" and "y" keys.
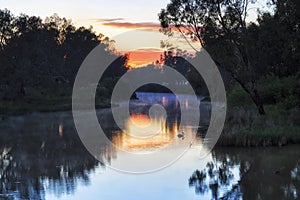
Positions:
{"x": 262, "y": 136}
{"x": 246, "y": 128}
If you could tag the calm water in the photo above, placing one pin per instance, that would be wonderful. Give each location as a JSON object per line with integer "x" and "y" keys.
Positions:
{"x": 41, "y": 157}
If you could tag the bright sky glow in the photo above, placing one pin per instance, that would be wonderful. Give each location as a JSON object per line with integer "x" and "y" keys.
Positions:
{"x": 114, "y": 18}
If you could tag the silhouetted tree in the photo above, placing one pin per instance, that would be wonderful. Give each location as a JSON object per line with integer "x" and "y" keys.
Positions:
{"x": 220, "y": 27}
{"x": 40, "y": 60}
{"x": 6, "y": 20}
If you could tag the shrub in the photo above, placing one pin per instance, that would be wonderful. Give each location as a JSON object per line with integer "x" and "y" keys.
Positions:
{"x": 273, "y": 90}
{"x": 237, "y": 97}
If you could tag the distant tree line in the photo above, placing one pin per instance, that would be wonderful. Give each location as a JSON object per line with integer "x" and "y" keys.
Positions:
{"x": 39, "y": 59}
{"x": 178, "y": 61}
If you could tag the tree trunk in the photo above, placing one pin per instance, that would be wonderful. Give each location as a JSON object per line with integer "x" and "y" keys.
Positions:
{"x": 22, "y": 91}
{"x": 257, "y": 101}
{"x": 253, "y": 94}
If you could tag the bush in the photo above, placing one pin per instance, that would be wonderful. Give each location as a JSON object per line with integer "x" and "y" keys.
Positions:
{"x": 273, "y": 90}
{"x": 290, "y": 102}
{"x": 238, "y": 97}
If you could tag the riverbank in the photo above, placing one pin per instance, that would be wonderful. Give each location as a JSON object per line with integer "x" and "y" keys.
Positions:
{"x": 245, "y": 128}
{"x": 49, "y": 105}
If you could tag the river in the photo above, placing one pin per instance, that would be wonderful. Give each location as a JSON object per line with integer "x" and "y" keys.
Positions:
{"x": 42, "y": 157}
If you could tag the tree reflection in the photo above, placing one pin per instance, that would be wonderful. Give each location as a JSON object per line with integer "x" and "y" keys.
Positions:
{"x": 37, "y": 154}
{"x": 198, "y": 180}
{"x": 216, "y": 177}
{"x": 272, "y": 173}
{"x": 25, "y": 167}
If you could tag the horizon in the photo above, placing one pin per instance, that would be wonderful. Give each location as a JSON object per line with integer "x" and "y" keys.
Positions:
{"x": 127, "y": 29}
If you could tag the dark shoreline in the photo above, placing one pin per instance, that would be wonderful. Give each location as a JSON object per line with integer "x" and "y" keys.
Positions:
{"x": 23, "y": 109}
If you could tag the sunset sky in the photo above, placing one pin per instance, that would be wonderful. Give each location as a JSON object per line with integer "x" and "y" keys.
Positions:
{"x": 133, "y": 24}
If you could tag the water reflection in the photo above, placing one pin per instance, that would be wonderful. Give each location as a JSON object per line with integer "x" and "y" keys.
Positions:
{"x": 60, "y": 129}
{"x": 42, "y": 152}
{"x": 218, "y": 177}
{"x": 143, "y": 134}
{"x": 127, "y": 141}
{"x": 41, "y": 156}
{"x": 271, "y": 173}
{"x": 153, "y": 136}
{"x": 35, "y": 156}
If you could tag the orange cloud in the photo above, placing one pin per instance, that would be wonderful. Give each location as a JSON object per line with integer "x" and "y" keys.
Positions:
{"x": 120, "y": 23}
